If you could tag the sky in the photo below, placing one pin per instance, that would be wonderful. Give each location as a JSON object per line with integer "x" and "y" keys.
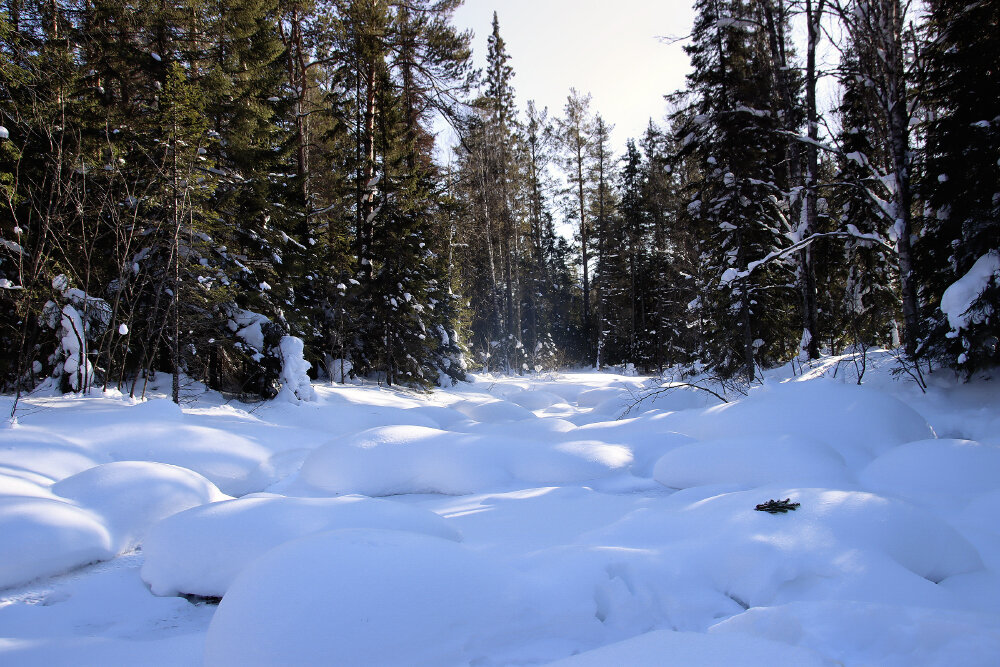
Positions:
{"x": 607, "y": 48}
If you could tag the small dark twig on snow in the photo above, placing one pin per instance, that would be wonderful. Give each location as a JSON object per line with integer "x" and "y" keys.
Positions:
{"x": 777, "y": 506}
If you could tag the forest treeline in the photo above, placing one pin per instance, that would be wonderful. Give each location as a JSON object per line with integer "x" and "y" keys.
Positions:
{"x": 233, "y": 188}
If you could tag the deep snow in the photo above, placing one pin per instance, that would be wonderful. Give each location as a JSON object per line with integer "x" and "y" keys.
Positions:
{"x": 515, "y": 520}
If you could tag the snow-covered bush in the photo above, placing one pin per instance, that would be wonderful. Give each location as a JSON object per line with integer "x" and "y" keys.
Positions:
{"x": 277, "y": 365}
{"x": 970, "y": 319}
{"x": 78, "y": 320}
{"x": 294, "y": 376}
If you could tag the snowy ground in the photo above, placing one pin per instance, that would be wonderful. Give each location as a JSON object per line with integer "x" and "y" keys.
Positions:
{"x": 512, "y": 521}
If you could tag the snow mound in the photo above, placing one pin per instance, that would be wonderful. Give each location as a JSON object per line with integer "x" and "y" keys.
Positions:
{"x": 676, "y": 398}
{"x": 752, "y": 462}
{"x": 392, "y": 460}
{"x": 566, "y": 462}
{"x": 646, "y": 444}
{"x": 201, "y": 551}
{"x": 983, "y": 512}
{"x": 866, "y": 633}
{"x": 412, "y": 459}
{"x": 228, "y": 460}
{"x": 534, "y": 399}
{"x": 43, "y": 536}
{"x": 592, "y": 398}
{"x": 154, "y": 409}
{"x": 694, "y": 649}
{"x": 858, "y": 422}
{"x": 493, "y": 411}
{"x": 131, "y": 496}
{"x": 14, "y": 484}
{"x": 44, "y": 454}
{"x": 929, "y": 471}
{"x": 365, "y": 597}
{"x": 836, "y": 545}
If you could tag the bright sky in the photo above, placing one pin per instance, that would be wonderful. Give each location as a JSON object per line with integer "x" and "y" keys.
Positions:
{"x": 607, "y": 48}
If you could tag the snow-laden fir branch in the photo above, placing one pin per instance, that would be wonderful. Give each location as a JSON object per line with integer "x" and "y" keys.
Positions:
{"x": 733, "y": 274}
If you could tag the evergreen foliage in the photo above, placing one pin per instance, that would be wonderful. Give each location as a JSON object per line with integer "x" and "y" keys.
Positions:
{"x": 187, "y": 185}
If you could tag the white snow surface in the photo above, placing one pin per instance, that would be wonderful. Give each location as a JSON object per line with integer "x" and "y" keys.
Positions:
{"x": 202, "y": 550}
{"x": 548, "y": 518}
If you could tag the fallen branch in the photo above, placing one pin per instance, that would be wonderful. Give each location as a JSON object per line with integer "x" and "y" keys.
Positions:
{"x": 663, "y": 390}
{"x": 777, "y": 506}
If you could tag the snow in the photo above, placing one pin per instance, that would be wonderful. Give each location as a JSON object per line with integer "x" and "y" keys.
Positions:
{"x": 294, "y": 376}
{"x": 694, "y": 649}
{"x": 131, "y": 496}
{"x": 752, "y": 462}
{"x": 931, "y": 471}
{"x": 43, "y": 536}
{"x": 857, "y": 422}
{"x": 546, "y": 518}
{"x": 203, "y": 550}
{"x": 394, "y": 460}
{"x": 407, "y": 600}
{"x": 963, "y": 293}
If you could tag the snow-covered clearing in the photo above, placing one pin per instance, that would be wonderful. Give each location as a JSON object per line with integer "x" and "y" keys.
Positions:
{"x": 512, "y": 521}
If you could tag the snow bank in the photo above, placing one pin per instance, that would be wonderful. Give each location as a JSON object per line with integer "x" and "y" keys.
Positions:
{"x": 933, "y": 471}
{"x": 43, "y": 536}
{"x": 412, "y": 459}
{"x": 752, "y": 462}
{"x": 694, "y": 649}
{"x": 960, "y": 295}
{"x": 365, "y": 597}
{"x": 871, "y": 633}
{"x": 131, "y": 496}
{"x": 201, "y": 551}
{"x": 858, "y": 422}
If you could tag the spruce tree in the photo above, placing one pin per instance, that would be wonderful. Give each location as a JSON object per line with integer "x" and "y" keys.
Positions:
{"x": 732, "y": 132}
{"x": 962, "y": 231}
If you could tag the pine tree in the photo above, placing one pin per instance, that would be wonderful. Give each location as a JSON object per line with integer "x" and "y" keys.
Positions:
{"x": 870, "y": 303}
{"x": 737, "y": 201}
{"x": 962, "y": 231}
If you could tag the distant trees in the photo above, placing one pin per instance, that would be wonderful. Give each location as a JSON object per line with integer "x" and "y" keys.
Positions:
{"x": 214, "y": 174}
{"x": 186, "y": 187}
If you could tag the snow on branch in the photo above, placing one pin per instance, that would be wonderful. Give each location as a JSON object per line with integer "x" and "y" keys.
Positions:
{"x": 732, "y": 274}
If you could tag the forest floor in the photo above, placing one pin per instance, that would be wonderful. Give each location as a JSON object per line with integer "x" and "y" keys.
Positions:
{"x": 553, "y": 518}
